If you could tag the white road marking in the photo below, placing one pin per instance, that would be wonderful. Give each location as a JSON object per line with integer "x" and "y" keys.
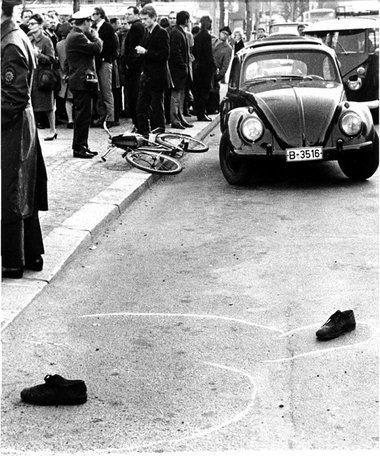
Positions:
{"x": 239, "y": 416}
{"x": 202, "y": 433}
{"x": 205, "y": 316}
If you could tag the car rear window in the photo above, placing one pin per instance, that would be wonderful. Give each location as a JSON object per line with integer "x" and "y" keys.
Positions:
{"x": 295, "y": 63}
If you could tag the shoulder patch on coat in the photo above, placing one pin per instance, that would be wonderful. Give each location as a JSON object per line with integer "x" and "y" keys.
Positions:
{"x": 9, "y": 75}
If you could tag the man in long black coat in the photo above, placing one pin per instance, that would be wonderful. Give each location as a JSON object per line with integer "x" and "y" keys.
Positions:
{"x": 155, "y": 77}
{"x": 204, "y": 67}
{"x": 133, "y": 61}
{"x": 23, "y": 172}
{"x": 179, "y": 65}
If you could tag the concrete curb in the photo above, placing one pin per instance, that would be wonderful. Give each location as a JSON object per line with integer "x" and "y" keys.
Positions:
{"x": 76, "y": 234}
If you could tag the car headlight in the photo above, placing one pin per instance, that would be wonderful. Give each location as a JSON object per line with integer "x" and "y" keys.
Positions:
{"x": 251, "y": 129}
{"x": 351, "y": 124}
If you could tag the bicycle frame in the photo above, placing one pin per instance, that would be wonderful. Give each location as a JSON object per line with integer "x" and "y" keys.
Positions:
{"x": 136, "y": 142}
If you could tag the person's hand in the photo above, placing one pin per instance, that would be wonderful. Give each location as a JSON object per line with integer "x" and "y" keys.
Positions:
{"x": 94, "y": 33}
{"x": 140, "y": 50}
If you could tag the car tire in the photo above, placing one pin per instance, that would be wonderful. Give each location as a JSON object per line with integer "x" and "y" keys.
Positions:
{"x": 235, "y": 169}
{"x": 363, "y": 166}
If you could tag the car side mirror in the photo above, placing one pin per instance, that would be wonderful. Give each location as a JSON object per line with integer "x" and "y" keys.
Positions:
{"x": 354, "y": 82}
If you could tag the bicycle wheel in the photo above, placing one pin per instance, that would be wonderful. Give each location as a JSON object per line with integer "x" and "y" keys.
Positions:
{"x": 182, "y": 142}
{"x": 153, "y": 162}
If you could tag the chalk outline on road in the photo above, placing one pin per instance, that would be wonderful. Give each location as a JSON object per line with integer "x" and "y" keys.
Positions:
{"x": 243, "y": 413}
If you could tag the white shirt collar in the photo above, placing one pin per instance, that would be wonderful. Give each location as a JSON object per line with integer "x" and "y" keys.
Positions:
{"x": 99, "y": 24}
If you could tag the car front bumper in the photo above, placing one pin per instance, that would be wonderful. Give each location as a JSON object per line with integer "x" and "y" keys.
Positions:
{"x": 329, "y": 152}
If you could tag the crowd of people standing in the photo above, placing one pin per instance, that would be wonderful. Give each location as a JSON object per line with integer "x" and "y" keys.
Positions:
{"x": 87, "y": 72}
{"x": 155, "y": 82}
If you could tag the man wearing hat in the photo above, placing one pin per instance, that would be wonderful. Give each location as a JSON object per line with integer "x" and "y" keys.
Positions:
{"x": 82, "y": 45}
{"x": 23, "y": 172}
{"x": 222, "y": 54}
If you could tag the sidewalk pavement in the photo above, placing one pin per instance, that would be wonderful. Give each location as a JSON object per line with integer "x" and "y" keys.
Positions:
{"x": 84, "y": 197}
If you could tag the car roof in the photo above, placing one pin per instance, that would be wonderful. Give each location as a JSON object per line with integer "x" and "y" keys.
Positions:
{"x": 285, "y": 42}
{"x": 342, "y": 24}
{"x": 284, "y": 39}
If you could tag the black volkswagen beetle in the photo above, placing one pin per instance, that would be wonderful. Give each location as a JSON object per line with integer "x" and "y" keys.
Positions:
{"x": 286, "y": 100}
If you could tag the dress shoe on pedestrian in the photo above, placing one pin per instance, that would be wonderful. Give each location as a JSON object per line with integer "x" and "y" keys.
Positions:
{"x": 35, "y": 263}
{"x": 70, "y": 125}
{"x": 51, "y": 138}
{"x": 186, "y": 124}
{"x": 204, "y": 118}
{"x": 12, "y": 273}
{"x": 92, "y": 152}
{"x": 82, "y": 154}
{"x": 178, "y": 126}
{"x": 338, "y": 324}
{"x": 56, "y": 391}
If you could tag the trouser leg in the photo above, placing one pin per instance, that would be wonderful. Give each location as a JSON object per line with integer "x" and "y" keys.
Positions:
{"x": 143, "y": 108}
{"x": 174, "y": 106}
{"x": 33, "y": 243}
{"x": 181, "y": 105}
{"x": 132, "y": 84}
{"x": 105, "y": 83}
{"x": 12, "y": 244}
{"x": 82, "y": 119}
{"x": 157, "y": 109}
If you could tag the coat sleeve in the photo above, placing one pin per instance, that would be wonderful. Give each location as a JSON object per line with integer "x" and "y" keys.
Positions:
{"x": 225, "y": 63}
{"x": 161, "y": 50}
{"x": 14, "y": 84}
{"x": 84, "y": 46}
{"x": 176, "y": 57}
{"x": 47, "y": 55}
{"x": 136, "y": 38}
{"x": 107, "y": 34}
{"x": 209, "y": 54}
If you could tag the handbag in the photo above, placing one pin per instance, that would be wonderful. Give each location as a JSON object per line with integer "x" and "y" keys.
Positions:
{"x": 48, "y": 79}
{"x": 90, "y": 81}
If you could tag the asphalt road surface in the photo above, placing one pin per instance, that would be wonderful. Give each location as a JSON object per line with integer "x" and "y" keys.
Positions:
{"x": 193, "y": 318}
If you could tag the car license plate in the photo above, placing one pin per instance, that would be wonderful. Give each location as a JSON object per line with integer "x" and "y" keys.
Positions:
{"x": 304, "y": 154}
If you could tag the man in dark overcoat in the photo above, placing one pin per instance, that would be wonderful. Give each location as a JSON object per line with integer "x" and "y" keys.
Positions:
{"x": 82, "y": 45}
{"x": 203, "y": 67}
{"x": 133, "y": 61}
{"x": 155, "y": 77}
{"x": 179, "y": 65}
{"x": 23, "y": 172}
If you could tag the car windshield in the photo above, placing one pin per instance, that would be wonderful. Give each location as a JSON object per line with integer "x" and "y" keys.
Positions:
{"x": 297, "y": 64}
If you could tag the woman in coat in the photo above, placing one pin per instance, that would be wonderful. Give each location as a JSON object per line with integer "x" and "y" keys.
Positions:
{"x": 23, "y": 173}
{"x": 238, "y": 40}
{"x": 42, "y": 100}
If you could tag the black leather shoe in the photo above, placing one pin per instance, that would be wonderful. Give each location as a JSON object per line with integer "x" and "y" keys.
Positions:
{"x": 178, "y": 126}
{"x": 186, "y": 124}
{"x": 34, "y": 264}
{"x": 12, "y": 273}
{"x": 56, "y": 391}
{"x": 338, "y": 324}
{"x": 82, "y": 154}
{"x": 204, "y": 118}
{"x": 92, "y": 152}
